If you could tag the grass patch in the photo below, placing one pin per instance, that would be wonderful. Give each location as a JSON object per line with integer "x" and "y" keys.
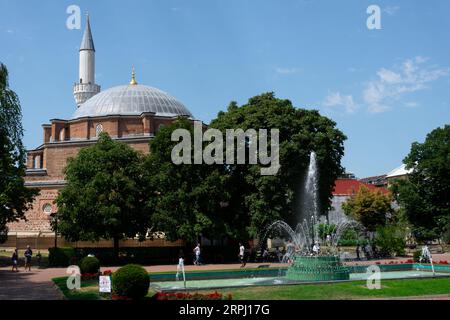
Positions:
{"x": 331, "y": 291}
{"x": 88, "y": 290}
{"x": 344, "y": 291}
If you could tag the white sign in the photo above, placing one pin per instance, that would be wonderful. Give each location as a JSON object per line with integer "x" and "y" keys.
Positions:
{"x": 104, "y": 284}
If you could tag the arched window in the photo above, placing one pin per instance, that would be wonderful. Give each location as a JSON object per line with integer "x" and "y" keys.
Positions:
{"x": 98, "y": 129}
{"x": 37, "y": 162}
{"x": 162, "y": 125}
{"x": 62, "y": 134}
{"x": 47, "y": 208}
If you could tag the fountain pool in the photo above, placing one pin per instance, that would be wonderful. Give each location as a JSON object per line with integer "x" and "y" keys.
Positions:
{"x": 406, "y": 271}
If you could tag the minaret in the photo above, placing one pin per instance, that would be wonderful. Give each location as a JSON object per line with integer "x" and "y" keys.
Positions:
{"x": 85, "y": 87}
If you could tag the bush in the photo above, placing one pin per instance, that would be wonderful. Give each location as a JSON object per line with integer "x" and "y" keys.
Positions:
{"x": 131, "y": 281}
{"x": 89, "y": 265}
{"x": 416, "y": 255}
{"x": 390, "y": 240}
{"x": 61, "y": 257}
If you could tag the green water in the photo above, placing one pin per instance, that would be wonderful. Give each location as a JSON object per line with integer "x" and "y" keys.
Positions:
{"x": 263, "y": 281}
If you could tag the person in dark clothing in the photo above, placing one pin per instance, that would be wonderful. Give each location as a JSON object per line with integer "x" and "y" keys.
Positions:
{"x": 357, "y": 252}
{"x": 15, "y": 261}
{"x": 39, "y": 259}
{"x": 28, "y": 255}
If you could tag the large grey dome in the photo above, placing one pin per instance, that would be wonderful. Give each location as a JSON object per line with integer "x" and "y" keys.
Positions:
{"x": 131, "y": 100}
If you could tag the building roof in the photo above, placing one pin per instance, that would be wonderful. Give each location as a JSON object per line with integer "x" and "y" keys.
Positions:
{"x": 133, "y": 99}
{"x": 375, "y": 180}
{"x": 87, "y": 43}
{"x": 347, "y": 187}
{"x": 400, "y": 171}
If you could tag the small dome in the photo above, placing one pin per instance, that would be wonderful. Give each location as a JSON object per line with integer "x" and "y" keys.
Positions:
{"x": 131, "y": 100}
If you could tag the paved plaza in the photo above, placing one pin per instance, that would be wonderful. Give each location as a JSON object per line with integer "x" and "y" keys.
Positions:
{"x": 37, "y": 284}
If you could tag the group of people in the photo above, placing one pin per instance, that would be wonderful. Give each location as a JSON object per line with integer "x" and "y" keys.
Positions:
{"x": 27, "y": 255}
{"x": 197, "y": 255}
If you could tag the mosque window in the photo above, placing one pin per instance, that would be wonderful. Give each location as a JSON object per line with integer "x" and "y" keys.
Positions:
{"x": 47, "y": 208}
{"x": 37, "y": 162}
{"x": 62, "y": 135}
{"x": 98, "y": 129}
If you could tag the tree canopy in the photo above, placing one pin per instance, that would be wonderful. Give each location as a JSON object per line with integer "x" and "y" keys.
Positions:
{"x": 185, "y": 199}
{"x": 425, "y": 195}
{"x": 259, "y": 200}
{"x": 15, "y": 198}
{"x": 370, "y": 208}
{"x": 103, "y": 197}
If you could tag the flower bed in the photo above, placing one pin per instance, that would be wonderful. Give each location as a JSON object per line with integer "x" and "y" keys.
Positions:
{"x": 191, "y": 296}
{"x": 89, "y": 276}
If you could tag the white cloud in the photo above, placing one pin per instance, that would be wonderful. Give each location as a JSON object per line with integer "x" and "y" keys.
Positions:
{"x": 280, "y": 70}
{"x": 391, "y": 85}
{"x": 391, "y": 10}
{"x": 336, "y": 99}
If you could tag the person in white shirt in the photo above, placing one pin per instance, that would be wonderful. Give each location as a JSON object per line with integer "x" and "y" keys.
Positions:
{"x": 197, "y": 254}
{"x": 242, "y": 254}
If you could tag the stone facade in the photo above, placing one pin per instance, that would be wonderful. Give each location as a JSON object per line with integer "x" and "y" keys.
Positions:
{"x": 63, "y": 139}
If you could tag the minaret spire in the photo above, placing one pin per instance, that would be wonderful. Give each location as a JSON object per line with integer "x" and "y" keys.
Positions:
{"x": 87, "y": 43}
{"x": 86, "y": 87}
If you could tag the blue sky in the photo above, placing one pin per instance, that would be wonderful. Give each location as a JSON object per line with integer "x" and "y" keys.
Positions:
{"x": 384, "y": 88}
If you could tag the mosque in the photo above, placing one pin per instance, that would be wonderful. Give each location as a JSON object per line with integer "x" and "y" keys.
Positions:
{"x": 130, "y": 113}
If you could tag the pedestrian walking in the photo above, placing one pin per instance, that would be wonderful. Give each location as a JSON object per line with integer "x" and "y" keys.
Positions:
{"x": 242, "y": 254}
{"x": 197, "y": 254}
{"x": 15, "y": 261}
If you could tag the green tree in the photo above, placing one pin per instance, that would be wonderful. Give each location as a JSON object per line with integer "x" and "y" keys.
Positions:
{"x": 187, "y": 200}
{"x": 258, "y": 200}
{"x": 370, "y": 208}
{"x": 103, "y": 198}
{"x": 15, "y": 198}
{"x": 425, "y": 195}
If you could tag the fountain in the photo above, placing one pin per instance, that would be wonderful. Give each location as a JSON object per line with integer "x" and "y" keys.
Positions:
{"x": 315, "y": 258}
{"x": 425, "y": 257}
{"x": 180, "y": 269}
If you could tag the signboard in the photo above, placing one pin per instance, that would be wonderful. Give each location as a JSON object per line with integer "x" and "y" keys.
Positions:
{"x": 104, "y": 284}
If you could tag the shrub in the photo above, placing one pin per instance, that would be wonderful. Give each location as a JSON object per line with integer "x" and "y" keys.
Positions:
{"x": 390, "y": 240}
{"x": 416, "y": 255}
{"x": 131, "y": 281}
{"x": 89, "y": 265}
{"x": 61, "y": 257}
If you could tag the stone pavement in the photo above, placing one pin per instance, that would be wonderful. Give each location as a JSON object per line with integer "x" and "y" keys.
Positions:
{"x": 26, "y": 285}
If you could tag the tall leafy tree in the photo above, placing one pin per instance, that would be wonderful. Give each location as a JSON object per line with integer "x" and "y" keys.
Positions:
{"x": 15, "y": 198}
{"x": 425, "y": 195}
{"x": 187, "y": 200}
{"x": 371, "y": 208}
{"x": 103, "y": 198}
{"x": 258, "y": 200}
